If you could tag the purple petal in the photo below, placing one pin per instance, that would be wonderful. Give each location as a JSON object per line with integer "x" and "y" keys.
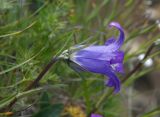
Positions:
{"x": 110, "y": 41}
{"x": 90, "y": 52}
{"x": 96, "y": 115}
{"x": 118, "y": 57}
{"x": 109, "y": 82}
{"x": 93, "y": 65}
{"x": 118, "y": 67}
{"x": 102, "y": 67}
{"x": 121, "y": 37}
{"x": 99, "y": 53}
{"x": 113, "y": 81}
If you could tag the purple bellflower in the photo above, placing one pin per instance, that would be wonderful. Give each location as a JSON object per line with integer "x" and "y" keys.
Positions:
{"x": 96, "y": 115}
{"x": 104, "y": 59}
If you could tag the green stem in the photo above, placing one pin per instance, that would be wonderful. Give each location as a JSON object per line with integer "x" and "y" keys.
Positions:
{"x": 152, "y": 113}
{"x": 36, "y": 81}
{"x": 103, "y": 97}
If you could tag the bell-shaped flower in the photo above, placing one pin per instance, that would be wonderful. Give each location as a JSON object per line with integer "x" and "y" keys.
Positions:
{"x": 104, "y": 59}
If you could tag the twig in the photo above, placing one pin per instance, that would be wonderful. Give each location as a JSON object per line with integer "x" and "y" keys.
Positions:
{"x": 139, "y": 65}
{"x": 40, "y": 76}
{"x": 36, "y": 81}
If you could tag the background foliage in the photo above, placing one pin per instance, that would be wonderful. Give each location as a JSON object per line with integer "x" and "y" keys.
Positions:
{"x": 33, "y": 31}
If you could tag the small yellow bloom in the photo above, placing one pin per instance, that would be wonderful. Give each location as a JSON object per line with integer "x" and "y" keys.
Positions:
{"x": 75, "y": 111}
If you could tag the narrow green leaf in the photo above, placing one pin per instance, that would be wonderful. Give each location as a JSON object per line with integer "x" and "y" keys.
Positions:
{"x": 96, "y": 10}
{"x": 18, "y": 32}
{"x": 152, "y": 113}
{"x": 6, "y": 101}
{"x": 21, "y": 64}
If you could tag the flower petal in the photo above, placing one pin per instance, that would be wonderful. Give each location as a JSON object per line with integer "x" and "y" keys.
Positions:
{"x": 109, "y": 82}
{"x": 113, "y": 81}
{"x": 93, "y": 65}
{"x": 100, "y": 53}
{"x": 102, "y": 67}
{"x": 118, "y": 67}
{"x": 110, "y": 41}
{"x": 96, "y": 115}
{"x": 121, "y": 37}
{"x": 94, "y": 52}
{"x": 117, "y": 57}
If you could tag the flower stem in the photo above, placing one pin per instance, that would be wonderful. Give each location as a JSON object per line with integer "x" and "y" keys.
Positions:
{"x": 42, "y": 73}
{"x": 139, "y": 65}
{"x": 102, "y": 98}
{"x": 36, "y": 81}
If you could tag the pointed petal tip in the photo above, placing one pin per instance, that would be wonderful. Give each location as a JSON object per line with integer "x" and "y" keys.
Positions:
{"x": 121, "y": 35}
{"x": 114, "y": 82}
{"x": 115, "y": 24}
{"x": 109, "y": 83}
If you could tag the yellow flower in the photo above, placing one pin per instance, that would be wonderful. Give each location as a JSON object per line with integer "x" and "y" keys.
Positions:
{"x": 75, "y": 111}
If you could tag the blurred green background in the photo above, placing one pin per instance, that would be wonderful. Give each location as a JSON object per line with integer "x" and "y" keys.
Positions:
{"x": 33, "y": 31}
